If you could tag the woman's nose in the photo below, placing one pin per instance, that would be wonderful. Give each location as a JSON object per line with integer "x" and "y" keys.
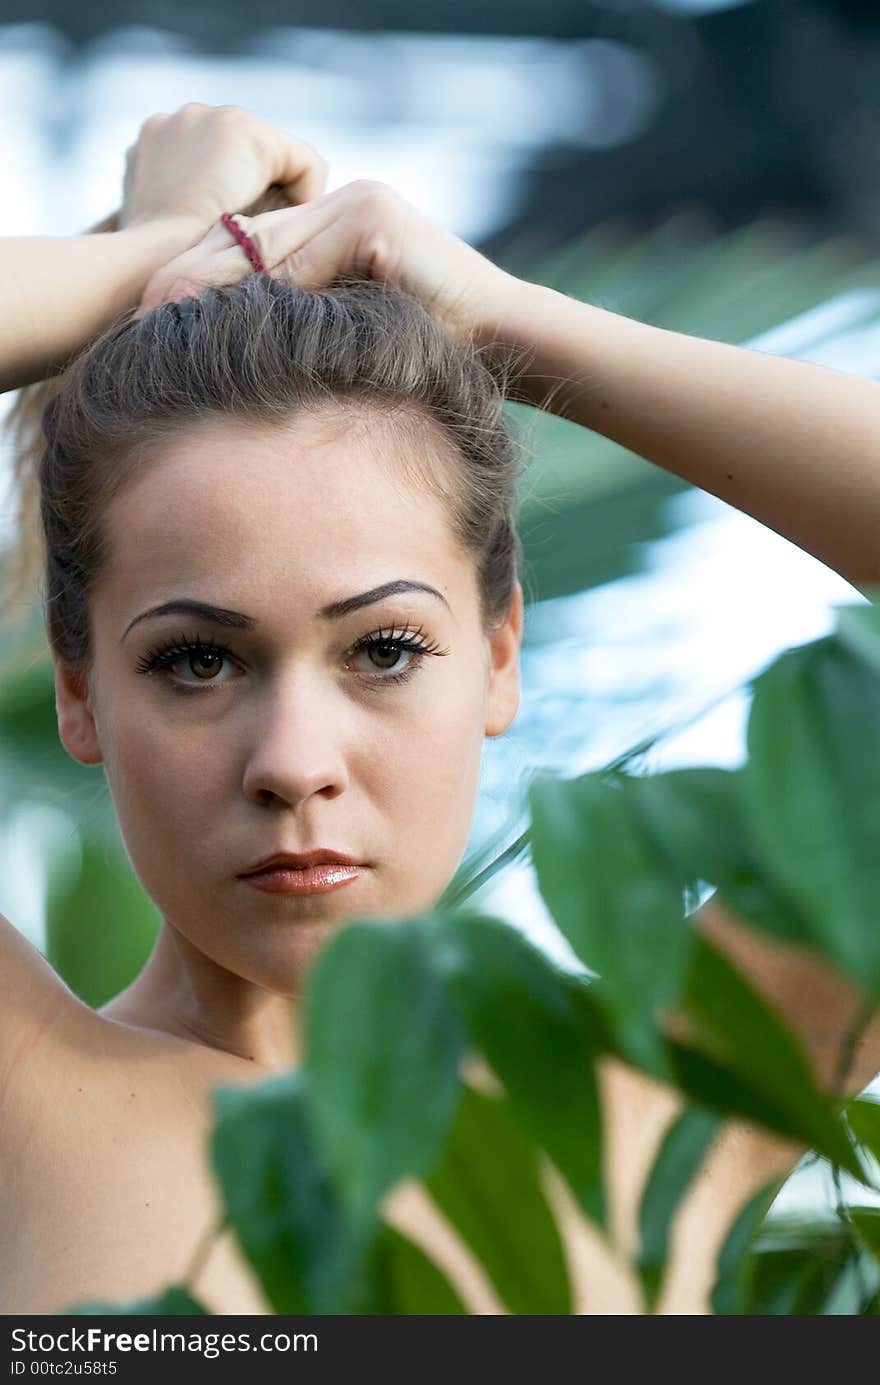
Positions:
{"x": 295, "y": 744}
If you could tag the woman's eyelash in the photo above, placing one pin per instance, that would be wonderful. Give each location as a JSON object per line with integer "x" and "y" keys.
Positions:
{"x": 164, "y": 656}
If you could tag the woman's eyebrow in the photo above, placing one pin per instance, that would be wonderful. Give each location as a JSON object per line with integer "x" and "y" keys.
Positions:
{"x": 219, "y": 615}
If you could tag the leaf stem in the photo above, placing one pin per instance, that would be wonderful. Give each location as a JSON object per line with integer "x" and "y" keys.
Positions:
{"x": 851, "y": 1040}
{"x": 845, "y": 1059}
{"x": 204, "y": 1245}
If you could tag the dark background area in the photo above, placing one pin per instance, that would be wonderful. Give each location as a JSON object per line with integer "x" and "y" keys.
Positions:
{"x": 770, "y": 106}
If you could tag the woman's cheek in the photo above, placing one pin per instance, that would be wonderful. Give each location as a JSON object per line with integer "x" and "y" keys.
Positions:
{"x": 162, "y": 786}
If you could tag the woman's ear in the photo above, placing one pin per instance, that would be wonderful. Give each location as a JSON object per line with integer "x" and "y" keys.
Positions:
{"x": 76, "y": 721}
{"x": 502, "y": 696}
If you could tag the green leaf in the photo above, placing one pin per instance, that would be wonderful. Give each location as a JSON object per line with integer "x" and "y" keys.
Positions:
{"x": 488, "y": 1186}
{"x": 805, "y": 1265}
{"x": 281, "y": 1201}
{"x": 866, "y": 1220}
{"x": 711, "y": 1084}
{"x": 863, "y": 1115}
{"x": 696, "y": 817}
{"x": 611, "y": 895}
{"x": 383, "y": 1048}
{"x": 682, "y": 1151}
{"x": 537, "y": 1028}
{"x": 743, "y": 1033}
{"x": 858, "y": 630}
{"x": 793, "y": 1281}
{"x": 812, "y": 786}
{"x": 100, "y": 925}
{"x": 404, "y": 1280}
{"x": 735, "y": 1266}
{"x": 175, "y": 1300}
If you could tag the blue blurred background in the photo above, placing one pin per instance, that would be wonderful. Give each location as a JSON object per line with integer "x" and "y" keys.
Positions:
{"x": 706, "y": 165}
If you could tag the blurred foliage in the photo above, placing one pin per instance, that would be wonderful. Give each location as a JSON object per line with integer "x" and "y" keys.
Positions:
{"x": 100, "y": 925}
{"x": 589, "y": 504}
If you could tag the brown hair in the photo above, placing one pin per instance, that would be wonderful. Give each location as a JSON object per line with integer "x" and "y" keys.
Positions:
{"x": 261, "y": 351}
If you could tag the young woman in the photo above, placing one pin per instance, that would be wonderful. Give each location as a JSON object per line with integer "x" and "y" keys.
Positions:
{"x": 280, "y": 569}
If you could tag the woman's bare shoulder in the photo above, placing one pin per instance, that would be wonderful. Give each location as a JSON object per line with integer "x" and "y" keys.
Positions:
{"x": 42, "y": 1023}
{"x": 33, "y": 998}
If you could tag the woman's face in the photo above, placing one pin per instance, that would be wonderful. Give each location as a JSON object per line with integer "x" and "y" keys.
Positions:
{"x": 289, "y": 737}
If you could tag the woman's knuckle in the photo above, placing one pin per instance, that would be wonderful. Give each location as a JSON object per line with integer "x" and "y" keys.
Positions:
{"x": 373, "y": 196}
{"x": 376, "y": 252}
{"x": 233, "y": 115}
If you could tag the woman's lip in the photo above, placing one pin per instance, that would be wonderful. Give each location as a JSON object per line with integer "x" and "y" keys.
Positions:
{"x": 303, "y": 880}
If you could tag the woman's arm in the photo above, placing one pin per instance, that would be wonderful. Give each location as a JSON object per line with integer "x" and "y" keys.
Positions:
{"x": 58, "y": 292}
{"x": 796, "y": 446}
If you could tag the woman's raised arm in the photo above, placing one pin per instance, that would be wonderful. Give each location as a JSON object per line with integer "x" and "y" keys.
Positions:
{"x": 796, "y": 446}
{"x": 183, "y": 171}
{"x": 58, "y": 292}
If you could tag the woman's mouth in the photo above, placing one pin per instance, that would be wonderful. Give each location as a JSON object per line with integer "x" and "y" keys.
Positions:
{"x": 304, "y": 879}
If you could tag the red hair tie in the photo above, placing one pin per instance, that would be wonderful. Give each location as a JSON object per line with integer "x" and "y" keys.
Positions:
{"x": 245, "y": 242}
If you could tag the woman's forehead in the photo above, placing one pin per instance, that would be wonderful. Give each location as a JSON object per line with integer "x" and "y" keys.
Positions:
{"x": 274, "y": 520}
{"x": 227, "y": 472}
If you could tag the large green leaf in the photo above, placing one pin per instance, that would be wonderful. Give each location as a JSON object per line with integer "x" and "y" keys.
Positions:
{"x": 383, "y": 1048}
{"x": 682, "y": 1151}
{"x": 285, "y": 1210}
{"x": 488, "y": 1186}
{"x": 812, "y": 785}
{"x": 808, "y": 1265}
{"x": 612, "y": 897}
{"x": 737, "y": 1028}
{"x": 858, "y": 629}
{"x": 735, "y": 1267}
{"x": 711, "y": 1083}
{"x": 795, "y": 1281}
{"x": 100, "y": 924}
{"x": 696, "y": 817}
{"x": 281, "y": 1201}
{"x": 866, "y": 1220}
{"x": 404, "y": 1280}
{"x": 537, "y": 1028}
{"x": 864, "y": 1119}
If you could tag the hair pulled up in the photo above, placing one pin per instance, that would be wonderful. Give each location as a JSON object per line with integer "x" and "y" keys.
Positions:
{"x": 261, "y": 351}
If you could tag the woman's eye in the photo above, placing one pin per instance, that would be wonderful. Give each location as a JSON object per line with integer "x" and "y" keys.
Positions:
{"x": 384, "y": 656}
{"x": 380, "y": 658}
{"x": 202, "y": 660}
{"x": 383, "y": 651}
{"x": 206, "y": 664}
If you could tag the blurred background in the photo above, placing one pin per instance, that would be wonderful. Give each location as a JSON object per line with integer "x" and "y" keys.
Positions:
{"x": 709, "y": 166}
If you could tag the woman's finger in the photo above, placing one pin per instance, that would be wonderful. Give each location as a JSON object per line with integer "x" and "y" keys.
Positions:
{"x": 187, "y": 279}
{"x": 297, "y": 168}
{"x": 332, "y": 235}
{"x": 308, "y": 245}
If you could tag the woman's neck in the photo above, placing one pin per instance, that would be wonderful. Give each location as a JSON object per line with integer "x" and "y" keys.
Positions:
{"x": 182, "y": 992}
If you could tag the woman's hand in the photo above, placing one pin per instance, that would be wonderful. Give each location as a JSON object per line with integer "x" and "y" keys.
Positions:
{"x": 183, "y": 171}
{"x": 364, "y": 229}
{"x": 192, "y": 166}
